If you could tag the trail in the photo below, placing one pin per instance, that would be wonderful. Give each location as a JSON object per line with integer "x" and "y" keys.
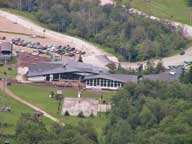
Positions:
{"x": 167, "y": 61}
{"x": 34, "y": 107}
{"x": 93, "y": 53}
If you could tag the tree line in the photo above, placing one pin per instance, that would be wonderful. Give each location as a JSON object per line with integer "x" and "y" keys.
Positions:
{"x": 151, "y": 112}
{"x": 133, "y": 37}
{"x": 29, "y": 130}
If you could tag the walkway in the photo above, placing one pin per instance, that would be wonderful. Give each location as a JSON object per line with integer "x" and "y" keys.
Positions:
{"x": 11, "y": 94}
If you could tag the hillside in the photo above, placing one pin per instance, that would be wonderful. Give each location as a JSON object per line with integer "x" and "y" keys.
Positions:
{"x": 132, "y": 37}
{"x": 176, "y": 10}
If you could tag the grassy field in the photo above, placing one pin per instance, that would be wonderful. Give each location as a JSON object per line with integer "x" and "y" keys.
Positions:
{"x": 11, "y": 73}
{"x": 176, "y": 10}
{"x": 40, "y": 97}
{"x": 11, "y": 117}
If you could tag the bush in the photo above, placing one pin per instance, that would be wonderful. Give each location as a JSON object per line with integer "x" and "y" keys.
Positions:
{"x": 67, "y": 113}
{"x": 81, "y": 115}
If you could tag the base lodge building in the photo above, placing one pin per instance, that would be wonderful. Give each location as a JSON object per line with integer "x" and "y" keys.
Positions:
{"x": 92, "y": 77}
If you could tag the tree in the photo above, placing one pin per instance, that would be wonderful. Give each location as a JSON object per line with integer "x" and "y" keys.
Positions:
{"x": 160, "y": 67}
{"x": 81, "y": 115}
{"x": 29, "y": 130}
{"x": 186, "y": 76}
{"x": 131, "y": 37}
{"x": 151, "y": 112}
{"x": 111, "y": 66}
{"x": 189, "y": 3}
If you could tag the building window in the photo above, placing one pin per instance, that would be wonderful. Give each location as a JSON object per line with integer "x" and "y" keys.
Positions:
{"x": 111, "y": 83}
{"x": 94, "y": 82}
{"x": 97, "y": 82}
{"x": 115, "y": 85}
{"x": 108, "y": 83}
{"x": 102, "y": 82}
{"x": 88, "y": 82}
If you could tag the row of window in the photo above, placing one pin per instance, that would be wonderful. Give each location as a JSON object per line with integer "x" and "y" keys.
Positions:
{"x": 103, "y": 83}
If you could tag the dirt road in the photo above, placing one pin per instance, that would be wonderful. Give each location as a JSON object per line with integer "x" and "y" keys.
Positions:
{"x": 11, "y": 94}
{"x": 167, "y": 61}
{"x": 93, "y": 53}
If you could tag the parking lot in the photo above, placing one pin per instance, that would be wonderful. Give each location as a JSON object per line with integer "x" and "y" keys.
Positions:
{"x": 48, "y": 49}
{"x": 26, "y": 40}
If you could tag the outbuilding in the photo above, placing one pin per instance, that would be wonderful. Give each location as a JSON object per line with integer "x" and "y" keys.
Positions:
{"x": 6, "y": 49}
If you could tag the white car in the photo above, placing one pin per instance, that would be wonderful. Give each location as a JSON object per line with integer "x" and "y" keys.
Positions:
{"x": 35, "y": 53}
{"x": 172, "y": 73}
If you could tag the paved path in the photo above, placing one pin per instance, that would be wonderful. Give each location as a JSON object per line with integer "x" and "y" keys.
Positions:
{"x": 11, "y": 94}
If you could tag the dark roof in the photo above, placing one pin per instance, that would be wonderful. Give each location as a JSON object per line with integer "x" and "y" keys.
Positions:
{"x": 124, "y": 78}
{"x": 5, "y": 46}
{"x": 165, "y": 76}
{"x": 115, "y": 77}
{"x": 44, "y": 68}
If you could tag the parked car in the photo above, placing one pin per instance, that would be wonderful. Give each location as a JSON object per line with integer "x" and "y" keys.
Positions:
{"x": 182, "y": 53}
{"x": 35, "y": 53}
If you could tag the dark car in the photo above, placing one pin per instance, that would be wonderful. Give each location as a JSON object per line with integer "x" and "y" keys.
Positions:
{"x": 182, "y": 52}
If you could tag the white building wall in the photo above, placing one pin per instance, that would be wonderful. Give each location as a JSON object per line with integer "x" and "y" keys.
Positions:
{"x": 22, "y": 70}
{"x": 37, "y": 79}
{"x": 107, "y": 84}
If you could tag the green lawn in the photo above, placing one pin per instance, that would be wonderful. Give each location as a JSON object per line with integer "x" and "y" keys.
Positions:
{"x": 11, "y": 117}
{"x": 10, "y": 73}
{"x": 40, "y": 97}
{"x": 167, "y": 9}
{"x": 10, "y": 69}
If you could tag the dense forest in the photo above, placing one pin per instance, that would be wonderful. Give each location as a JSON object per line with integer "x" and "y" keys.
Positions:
{"x": 30, "y": 130}
{"x": 151, "y": 112}
{"x": 133, "y": 37}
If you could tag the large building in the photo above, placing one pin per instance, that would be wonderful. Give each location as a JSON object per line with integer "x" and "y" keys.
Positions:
{"x": 62, "y": 70}
{"x": 6, "y": 49}
{"x": 90, "y": 76}
{"x": 108, "y": 81}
